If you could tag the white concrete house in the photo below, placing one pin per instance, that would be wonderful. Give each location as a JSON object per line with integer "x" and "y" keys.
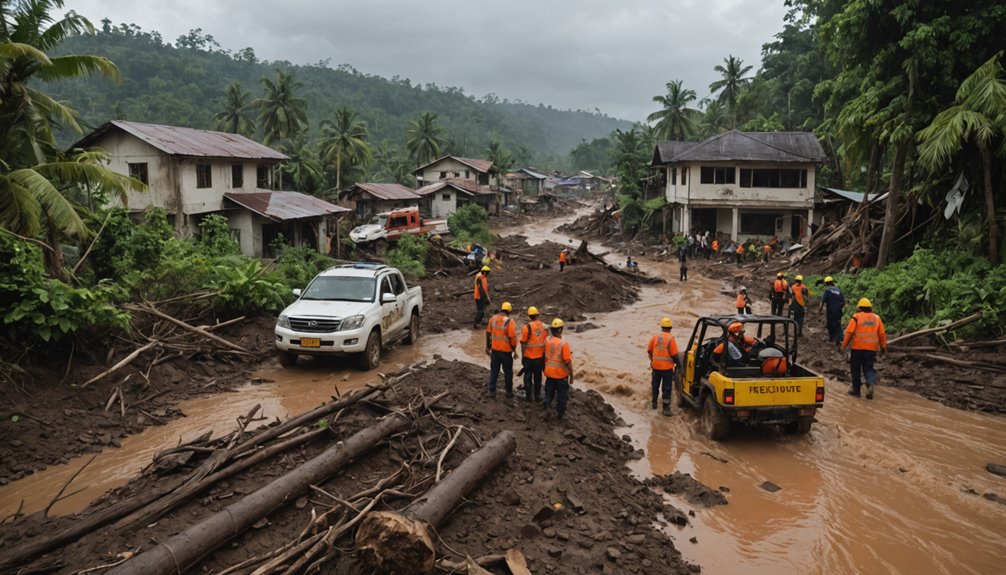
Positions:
{"x": 742, "y": 184}
{"x": 192, "y": 173}
{"x": 456, "y": 168}
{"x": 441, "y": 199}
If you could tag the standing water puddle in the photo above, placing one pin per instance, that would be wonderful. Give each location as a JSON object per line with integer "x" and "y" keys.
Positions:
{"x": 877, "y": 487}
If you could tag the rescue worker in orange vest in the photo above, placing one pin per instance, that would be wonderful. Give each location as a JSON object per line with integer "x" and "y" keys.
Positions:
{"x": 799, "y": 296}
{"x": 740, "y": 253}
{"x": 738, "y": 345}
{"x": 716, "y": 247}
{"x": 558, "y": 371}
{"x": 663, "y": 353}
{"x": 743, "y": 302}
{"x": 563, "y": 256}
{"x": 778, "y": 293}
{"x": 766, "y": 250}
{"x": 482, "y": 298}
{"x": 532, "y": 347}
{"x": 865, "y": 336}
{"x": 501, "y": 347}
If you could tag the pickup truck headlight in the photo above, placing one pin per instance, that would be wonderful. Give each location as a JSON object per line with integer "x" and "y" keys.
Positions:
{"x": 352, "y": 322}
{"x": 283, "y": 321}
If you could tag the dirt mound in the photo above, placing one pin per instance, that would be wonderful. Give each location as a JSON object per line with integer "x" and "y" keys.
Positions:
{"x": 605, "y": 521}
{"x": 525, "y": 276}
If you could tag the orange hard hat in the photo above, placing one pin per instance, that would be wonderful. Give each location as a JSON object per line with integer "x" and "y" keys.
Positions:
{"x": 736, "y": 327}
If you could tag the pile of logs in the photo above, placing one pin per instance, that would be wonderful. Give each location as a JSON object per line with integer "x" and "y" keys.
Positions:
{"x": 391, "y": 538}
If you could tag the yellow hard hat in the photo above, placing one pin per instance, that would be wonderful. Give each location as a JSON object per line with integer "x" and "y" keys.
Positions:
{"x": 506, "y": 306}
{"x": 532, "y": 311}
{"x": 486, "y": 269}
{"x": 829, "y": 280}
{"x": 556, "y": 323}
{"x": 666, "y": 322}
{"x": 779, "y": 275}
{"x": 736, "y": 327}
{"x": 863, "y": 302}
{"x": 799, "y": 278}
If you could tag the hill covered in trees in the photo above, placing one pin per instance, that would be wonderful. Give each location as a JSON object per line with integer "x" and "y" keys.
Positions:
{"x": 184, "y": 84}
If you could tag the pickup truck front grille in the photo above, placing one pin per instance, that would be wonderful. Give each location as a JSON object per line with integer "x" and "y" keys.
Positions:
{"x": 315, "y": 324}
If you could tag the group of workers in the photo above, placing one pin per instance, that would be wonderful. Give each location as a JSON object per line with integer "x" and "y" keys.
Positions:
{"x": 542, "y": 352}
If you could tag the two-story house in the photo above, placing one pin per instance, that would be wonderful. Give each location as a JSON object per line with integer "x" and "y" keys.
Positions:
{"x": 192, "y": 173}
{"x": 472, "y": 181}
{"x": 441, "y": 199}
{"x": 741, "y": 184}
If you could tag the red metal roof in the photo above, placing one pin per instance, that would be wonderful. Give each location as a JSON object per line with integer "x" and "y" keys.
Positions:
{"x": 284, "y": 206}
{"x": 464, "y": 186}
{"x": 482, "y": 166}
{"x": 388, "y": 191}
{"x": 178, "y": 141}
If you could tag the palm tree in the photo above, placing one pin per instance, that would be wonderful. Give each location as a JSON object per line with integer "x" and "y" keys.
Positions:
{"x": 733, "y": 83}
{"x": 501, "y": 158}
{"x": 424, "y": 138}
{"x": 281, "y": 113}
{"x": 978, "y": 115}
{"x": 675, "y": 120}
{"x": 234, "y": 118}
{"x": 714, "y": 120}
{"x": 303, "y": 169}
{"x": 344, "y": 142}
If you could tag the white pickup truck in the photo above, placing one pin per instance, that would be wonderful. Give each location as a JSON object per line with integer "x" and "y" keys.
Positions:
{"x": 353, "y": 309}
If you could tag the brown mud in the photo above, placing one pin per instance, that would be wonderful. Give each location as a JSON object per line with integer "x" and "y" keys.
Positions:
{"x": 608, "y": 522}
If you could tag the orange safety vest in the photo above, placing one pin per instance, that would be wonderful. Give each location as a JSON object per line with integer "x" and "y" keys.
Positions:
{"x": 716, "y": 245}
{"x": 742, "y": 302}
{"x": 557, "y": 355}
{"x": 502, "y": 332}
{"x": 865, "y": 332}
{"x": 663, "y": 349}
{"x": 562, "y": 257}
{"x": 746, "y": 345}
{"x": 798, "y": 294}
{"x": 766, "y": 248}
{"x": 740, "y": 248}
{"x": 485, "y": 285}
{"x": 532, "y": 337}
{"x": 780, "y": 286}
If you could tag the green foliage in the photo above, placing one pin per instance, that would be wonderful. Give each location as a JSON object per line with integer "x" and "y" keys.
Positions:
{"x": 409, "y": 255}
{"x": 934, "y": 287}
{"x": 470, "y": 224}
{"x": 298, "y": 266}
{"x": 215, "y": 236}
{"x": 244, "y": 286}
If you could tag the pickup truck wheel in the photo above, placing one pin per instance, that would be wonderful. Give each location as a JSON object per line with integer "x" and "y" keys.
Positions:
{"x": 714, "y": 423}
{"x": 371, "y": 357}
{"x": 287, "y": 358}
{"x": 800, "y": 427}
{"x": 413, "y": 334}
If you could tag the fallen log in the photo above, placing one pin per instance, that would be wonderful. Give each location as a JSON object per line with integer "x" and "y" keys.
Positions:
{"x": 183, "y": 550}
{"x": 994, "y": 368}
{"x": 122, "y": 363}
{"x": 401, "y": 542}
{"x": 959, "y": 323}
{"x": 158, "y": 313}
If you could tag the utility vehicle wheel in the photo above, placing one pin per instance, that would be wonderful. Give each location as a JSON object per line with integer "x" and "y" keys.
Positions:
{"x": 800, "y": 427}
{"x": 714, "y": 423}
{"x": 413, "y": 329}
{"x": 679, "y": 393}
{"x": 287, "y": 358}
{"x": 371, "y": 357}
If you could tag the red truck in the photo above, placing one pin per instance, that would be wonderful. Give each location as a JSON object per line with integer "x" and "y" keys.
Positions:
{"x": 387, "y": 227}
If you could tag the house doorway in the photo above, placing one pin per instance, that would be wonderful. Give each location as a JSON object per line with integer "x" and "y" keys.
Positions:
{"x": 269, "y": 234}
{"x": 703, "y": 220}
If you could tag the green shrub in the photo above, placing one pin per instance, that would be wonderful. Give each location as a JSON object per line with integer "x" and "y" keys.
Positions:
{"x": 215, "y": 236}
{"x": 244, "y": 286}
{"x": 469, "y": 225}
{"x": 409, "y": 255}
{"x": 298, "y": 266}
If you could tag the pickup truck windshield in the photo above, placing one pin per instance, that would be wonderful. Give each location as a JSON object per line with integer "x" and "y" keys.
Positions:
{"x": 334, "y": 288}
{"x": 379, "y": 220}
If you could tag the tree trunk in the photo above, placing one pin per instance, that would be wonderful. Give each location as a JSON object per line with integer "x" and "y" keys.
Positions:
{"x": 54, "y": 257}
{"x": 183, "y": 550}
{"x": 893, "y": 203}
{"x": 871, "y": 169}
{"x": 401, "y": 543}
{"x": 990, "y": 205}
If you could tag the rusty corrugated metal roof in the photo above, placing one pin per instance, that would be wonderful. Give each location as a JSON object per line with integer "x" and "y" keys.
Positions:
{"x": 285, "y": 206}
{"x": 178, "y": 141}
{"x": 734, "y": 146}
{"x": 482, "y": 166}
{"x": 464, "y": 186}
{"x": 388, "y": 191}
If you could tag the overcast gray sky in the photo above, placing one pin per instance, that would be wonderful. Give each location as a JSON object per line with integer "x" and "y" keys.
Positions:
{"x": 614, "y": 55}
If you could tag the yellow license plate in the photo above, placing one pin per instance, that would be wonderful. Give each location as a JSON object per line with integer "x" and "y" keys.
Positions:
{"x": 310, "y": 342}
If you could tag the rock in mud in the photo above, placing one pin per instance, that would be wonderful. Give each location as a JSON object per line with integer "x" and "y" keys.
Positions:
{"x": 996, "y": 469}
{"x": 693, "y": 491}
{"x": 770, "y": 487}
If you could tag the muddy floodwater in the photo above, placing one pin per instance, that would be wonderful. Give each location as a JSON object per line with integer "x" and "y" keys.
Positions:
{"x": 877, "y": 487}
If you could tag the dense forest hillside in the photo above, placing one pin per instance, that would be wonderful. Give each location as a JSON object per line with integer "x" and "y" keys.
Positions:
{"x": 184, "y": 83}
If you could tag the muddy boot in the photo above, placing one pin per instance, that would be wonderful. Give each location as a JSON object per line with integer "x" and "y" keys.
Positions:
{"x": 667, "y": 409}
{"x": 653, "y": 404}
{"x": 869, "y": 392}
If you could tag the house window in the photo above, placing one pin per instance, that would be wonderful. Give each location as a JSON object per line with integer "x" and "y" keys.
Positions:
{"x": 236, "y": 235}
{"x": 759, "y": 223}
{"x": 443, "y": 175}
{"x": 710, "y": 175}
{"x": 204, "y": 176}
{"x": 446, "y": 197}
{"x": 683, "y": 172}
{"x": 468, "y": 174}
{"x": 139, "y": 172}
{"x": 457, "y": 174}
{"x": 773, "y": 178}
{"x": 262, "y": 176}
{"x": 674, "y": 176}
{"x": 237, "y": 176}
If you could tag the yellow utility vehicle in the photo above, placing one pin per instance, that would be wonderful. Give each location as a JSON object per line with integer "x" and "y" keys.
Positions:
{"x": 743, "y": 369}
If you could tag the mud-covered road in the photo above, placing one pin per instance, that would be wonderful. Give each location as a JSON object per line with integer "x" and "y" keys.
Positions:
{"x": 889, "y": 486}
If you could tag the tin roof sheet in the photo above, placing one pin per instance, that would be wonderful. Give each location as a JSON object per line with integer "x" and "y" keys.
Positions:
{"x": 178, "y": 141}
{"x": 284, "y": 206}
{"x": 387, "y": 191}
